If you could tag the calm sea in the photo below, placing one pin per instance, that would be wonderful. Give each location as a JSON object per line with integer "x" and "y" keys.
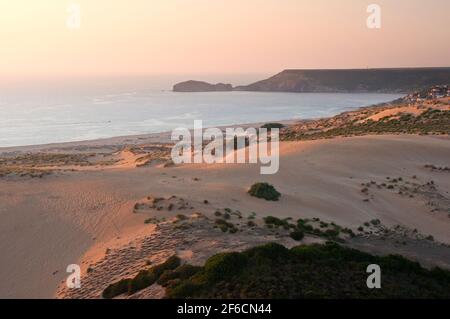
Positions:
{"x": 62, "y": 112}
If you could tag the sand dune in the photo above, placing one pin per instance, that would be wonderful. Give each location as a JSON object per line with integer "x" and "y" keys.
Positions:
{"x": 49, "y": 223}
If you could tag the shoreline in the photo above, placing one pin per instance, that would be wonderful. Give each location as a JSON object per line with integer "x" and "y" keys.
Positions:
{"x": 164, "y": 136}
{"x": 157, "y": 137}
{"x": 160, "y": 137}
{"x": 91, "y": 207}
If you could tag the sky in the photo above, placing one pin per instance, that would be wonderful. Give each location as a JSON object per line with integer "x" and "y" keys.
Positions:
{"x": 137, "y": 37}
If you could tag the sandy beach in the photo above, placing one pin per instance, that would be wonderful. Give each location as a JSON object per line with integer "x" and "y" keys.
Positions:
{"x": 72, "y": 216}
{"x": 112, "y": 205}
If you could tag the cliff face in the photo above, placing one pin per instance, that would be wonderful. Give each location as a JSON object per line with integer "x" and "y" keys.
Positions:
{"x": 402, "y": 80}
{"x": 199, "y": 86}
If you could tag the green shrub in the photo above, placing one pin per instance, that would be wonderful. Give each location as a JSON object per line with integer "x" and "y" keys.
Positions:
{"x": 349, "y": 232}
{"x": 171, "y": 263}
{"x": 181, "y": 272}
{"x": 331, "y": 233}
{"x": 251, "y": 223}
{"x": 264, "y": 190}
{"x": 225, "y": 226}
{"x": 224, "y": 265}
{"x": 305, "y": 227}
{"x": 307, "y": 271}
{"x": 184, "y": 289}
{"x": 151, "y": 220}
{"x": 271, "y": 220}
{"x": 323, "y": 225}
{"x": 297, "y": 235}
{"x": 269, "y": 252}
{"x": 142, "y": 280}
{"x": 116, "y": 289}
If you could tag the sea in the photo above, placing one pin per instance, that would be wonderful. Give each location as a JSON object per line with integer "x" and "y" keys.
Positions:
{"x": 41, "y": 112}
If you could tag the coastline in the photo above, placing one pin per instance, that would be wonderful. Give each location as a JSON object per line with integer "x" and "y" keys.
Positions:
{"x": 158, "y": 120}
{"x": 159, "y": 137}
{"x": 90, "y": 209}
{"x": 164, "y": 136}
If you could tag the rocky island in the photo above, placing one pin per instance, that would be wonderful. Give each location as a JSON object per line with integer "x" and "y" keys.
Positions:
{"x": 200, "y": 86}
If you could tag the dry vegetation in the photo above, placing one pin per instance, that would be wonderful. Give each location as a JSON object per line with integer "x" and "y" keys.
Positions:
{"x": 40, "y": 164}
{"x": 130, "y": 271}
{"x": 428, "y": 191}
{"x": 398, "y": 117}
{"x": 151, "y": 154}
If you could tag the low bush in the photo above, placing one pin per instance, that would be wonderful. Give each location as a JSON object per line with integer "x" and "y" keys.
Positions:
{"x": 225, "y": 226}
{"x": 143, "y": 279}
{"x": 375, "y": 222}
{"x": 116, "y": 289}
{"x": 251, "y": 223}
{"x": 276, "y": 222}
{"x": 171, "y": 263}
{"x": 265, "y": 191}
{"x": 181, "y": 272}
{"x": 297, "y": 235}
{"x": 224, "y": 266}
{"x": 319, "y": 271}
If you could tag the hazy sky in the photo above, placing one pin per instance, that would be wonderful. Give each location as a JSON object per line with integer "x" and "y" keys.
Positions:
{"x": 218, "y": 36}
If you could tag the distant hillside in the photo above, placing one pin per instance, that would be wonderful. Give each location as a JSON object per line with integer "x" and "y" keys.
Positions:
{"x": 199, "y": 86}
{"x": 401, "y": 80}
